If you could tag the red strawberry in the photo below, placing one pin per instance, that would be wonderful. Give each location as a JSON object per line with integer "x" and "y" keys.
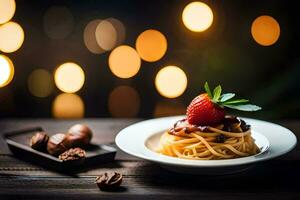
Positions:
{"x": 202, "y": 111}
{"x": 208, "y": 108}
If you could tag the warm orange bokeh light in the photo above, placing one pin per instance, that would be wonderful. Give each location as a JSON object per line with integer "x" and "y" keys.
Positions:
{"x": 171, "y": 81}
{"x": 89, "y": 37}
{"x": 7, "y": 10}
{"x": 151, "y": 45}
{"x": 11, "y": 37}
{"x": 124, "y": 101}
{"x": 124, "y": 61}
{"x": 265, "y": 30}
{"x": 103, "y": 35}
{"x": 106, "y": 35}
{"x": 69, "y": 77}
{"x": 120, "y": 28}
{"x": 68, "y": 106}
{"x": 6, "y": 71}
{"x": 197, "y": 16}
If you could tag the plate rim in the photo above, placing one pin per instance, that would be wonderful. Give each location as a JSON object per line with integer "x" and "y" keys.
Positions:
{"x": 168, "y": 160}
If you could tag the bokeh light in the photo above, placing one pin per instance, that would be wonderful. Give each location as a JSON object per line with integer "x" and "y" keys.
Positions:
{"x": 171, "y": 81}
{"x": 58, "y": 22}
{"x": 68, "y": 106}
{"x": 124, "y": 61}
{"x": 7, "y": 10}
{"x": 197, "y": 16}
{"x": 106, "y": 35}
{"x": 265, "y": 30}
{"x": 124, "y": 101}
{"x": 69, "y": 77}
{"x": 103, "y": 35}
{"x": 40, "y": 83}
{"x": 151, "y": 45}
{"x": 6, "y": 71}
{"x": 120, "y": 28}
{"x": 11, "y": 37}
{"x": 89, "y": 37}
{"x": 169, "y": 108}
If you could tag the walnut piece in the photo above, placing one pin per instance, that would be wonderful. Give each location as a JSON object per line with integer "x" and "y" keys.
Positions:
{"x": 109, "y": 181}
{"x": 72, "y": 154}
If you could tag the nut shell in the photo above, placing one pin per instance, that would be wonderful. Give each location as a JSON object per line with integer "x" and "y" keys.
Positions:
{"x": 72, "y": 141}
{"x": 73, "y": 154}
{"x": 55, "y": 144}
{"x": 39, "y": 141}
{"x": 81, "y": 134}
{"x": 109, "y": 181}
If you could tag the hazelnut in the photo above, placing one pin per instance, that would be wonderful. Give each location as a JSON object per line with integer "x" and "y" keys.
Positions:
{"x": 82, "y": 134}
{"x": 72, "y": 154}
{"x": 55, "y": 144}
{"x": 39, "y": 141}
{"x": 74, "y": 141}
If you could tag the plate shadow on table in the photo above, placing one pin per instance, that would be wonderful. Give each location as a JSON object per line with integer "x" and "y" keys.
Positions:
{"x": 268, "y": 176}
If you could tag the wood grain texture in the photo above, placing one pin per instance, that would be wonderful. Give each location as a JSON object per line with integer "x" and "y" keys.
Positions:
{"x": 142, "y": 180}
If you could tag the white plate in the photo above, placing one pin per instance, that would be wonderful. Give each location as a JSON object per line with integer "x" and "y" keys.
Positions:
{"x": 142, "y": 138}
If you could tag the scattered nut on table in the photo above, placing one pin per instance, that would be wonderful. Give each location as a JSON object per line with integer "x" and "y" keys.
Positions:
{"x": 109, "y": 180}
{"x": 39, "y": 141}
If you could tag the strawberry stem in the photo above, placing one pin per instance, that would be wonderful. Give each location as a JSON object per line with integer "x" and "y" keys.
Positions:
{"x": 207, "y": 90}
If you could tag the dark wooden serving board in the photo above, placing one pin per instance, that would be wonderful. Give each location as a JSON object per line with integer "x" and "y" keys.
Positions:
{"x": 18, "y": 143}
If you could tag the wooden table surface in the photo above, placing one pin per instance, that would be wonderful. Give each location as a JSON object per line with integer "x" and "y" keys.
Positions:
{"x": 276, "y": 179}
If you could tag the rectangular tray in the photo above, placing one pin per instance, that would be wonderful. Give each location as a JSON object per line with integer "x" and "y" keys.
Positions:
{"x": 18, "y": 143}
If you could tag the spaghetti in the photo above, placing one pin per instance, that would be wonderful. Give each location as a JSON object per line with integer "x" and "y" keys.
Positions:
{"x": 231, "y": 139}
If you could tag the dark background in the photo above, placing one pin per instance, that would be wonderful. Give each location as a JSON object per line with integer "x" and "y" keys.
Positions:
{"x": 225, "y": 54}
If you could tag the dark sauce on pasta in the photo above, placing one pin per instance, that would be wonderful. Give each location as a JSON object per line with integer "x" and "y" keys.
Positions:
{"x": 229, "y": 124}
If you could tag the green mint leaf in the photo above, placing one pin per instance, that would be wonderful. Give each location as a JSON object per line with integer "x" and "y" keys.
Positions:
{"x": 207, "y": 90}
{"x": 227, "y": 96}
{"x": 237, "y": 101}
{"x": 217, "y": 93}
{"x": 244, "y": 107}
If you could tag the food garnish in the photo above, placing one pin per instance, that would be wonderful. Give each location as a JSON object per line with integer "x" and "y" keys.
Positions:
{"x": 209, "y": 108}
